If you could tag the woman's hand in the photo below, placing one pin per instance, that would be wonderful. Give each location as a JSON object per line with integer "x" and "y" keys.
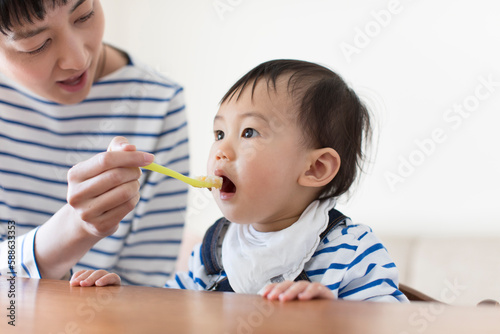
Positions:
{"x": 105, "y": 188}
{"x": 94, "y": 277}
{"x": 301, "y": 290}
{"x": 101, "y": 192}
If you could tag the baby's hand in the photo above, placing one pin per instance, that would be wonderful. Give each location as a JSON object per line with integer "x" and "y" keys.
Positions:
{"x": 94, "y": 277}
{"x": 301, "y": 290}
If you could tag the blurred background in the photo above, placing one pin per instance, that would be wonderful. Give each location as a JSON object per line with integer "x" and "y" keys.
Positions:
{"x": 429, "y": 72}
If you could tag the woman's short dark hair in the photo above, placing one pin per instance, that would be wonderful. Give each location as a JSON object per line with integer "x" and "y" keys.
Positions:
{"x": 14, "y": 12}
{"x": 330, "y": 113}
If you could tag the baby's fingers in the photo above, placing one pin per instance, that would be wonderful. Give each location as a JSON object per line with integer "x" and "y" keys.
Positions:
{"x": 108, "y": 279}
{"x": 268, "y": 289}
{"x": 301, "y": 290}
{"x": 80, "y": 276}
{"x": 293, "y": 291}
{"x": 91, "y": 277}
{"x": 316, "y": 290}
{"x": 274, "y": 291}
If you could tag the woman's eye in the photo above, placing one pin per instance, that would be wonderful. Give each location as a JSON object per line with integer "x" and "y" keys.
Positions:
{"x": 40, "y": 49}
{"x": 249, "y": 133}
{"x": 219, "y": 135}
{"x": 86, "y": 17}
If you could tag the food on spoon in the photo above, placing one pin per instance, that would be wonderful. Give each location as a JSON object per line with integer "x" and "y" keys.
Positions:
{"x": 215, "y": 181}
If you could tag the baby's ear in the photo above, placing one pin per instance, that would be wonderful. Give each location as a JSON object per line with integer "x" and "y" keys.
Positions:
{"x": 322, "y": 166}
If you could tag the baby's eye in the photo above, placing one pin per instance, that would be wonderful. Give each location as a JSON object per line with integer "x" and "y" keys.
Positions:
{"x": 249, "y": 133}
{"x": 218, "y": 134}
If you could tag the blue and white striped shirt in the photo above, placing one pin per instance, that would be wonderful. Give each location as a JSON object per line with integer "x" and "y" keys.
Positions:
{"x": 351, "y": 261}
{"x": 41, "y": 140}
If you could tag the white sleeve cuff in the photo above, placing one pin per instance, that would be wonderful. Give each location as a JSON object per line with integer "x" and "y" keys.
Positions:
{"x": 17, "y": 256}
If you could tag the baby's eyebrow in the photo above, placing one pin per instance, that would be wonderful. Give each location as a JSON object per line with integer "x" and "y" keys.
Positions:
{"x": 218, "y": 118}
{"x": 253, "y": 114}
{"x": 250, "y": 114}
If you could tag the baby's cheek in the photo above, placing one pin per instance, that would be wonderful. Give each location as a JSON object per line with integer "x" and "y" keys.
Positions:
{"x": 258, "y": 181}
{"x": 211, "y": 163}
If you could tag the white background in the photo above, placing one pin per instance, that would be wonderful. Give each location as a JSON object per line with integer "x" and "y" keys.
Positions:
{"x": 412, "y": 62}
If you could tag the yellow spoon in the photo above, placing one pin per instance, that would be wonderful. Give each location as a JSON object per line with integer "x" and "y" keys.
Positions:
{"x": 201, "y": 182}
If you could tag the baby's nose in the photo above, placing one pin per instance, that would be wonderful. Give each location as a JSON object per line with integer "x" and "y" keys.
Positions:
{"x": 221, "y": 155}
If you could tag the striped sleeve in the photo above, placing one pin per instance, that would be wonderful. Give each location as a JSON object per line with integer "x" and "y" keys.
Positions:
{"x": 43, "y": 140}
{"x": 151, "y": 235}
{"x": 354, "y": 264}
{"x": 196, "y": 278}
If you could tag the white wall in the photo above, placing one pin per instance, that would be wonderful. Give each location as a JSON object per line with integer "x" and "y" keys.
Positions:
{"x": 413, "y": 62}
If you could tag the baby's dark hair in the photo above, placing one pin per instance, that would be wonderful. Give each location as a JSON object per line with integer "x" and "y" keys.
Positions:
{"x": 14, "y": 12}
{"x": 330, "y": 113}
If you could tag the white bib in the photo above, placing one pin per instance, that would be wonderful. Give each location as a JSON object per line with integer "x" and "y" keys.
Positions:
{"x": 253, "y": 259}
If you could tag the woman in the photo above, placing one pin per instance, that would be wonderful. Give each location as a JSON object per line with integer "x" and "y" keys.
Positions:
{"x": 64, "y": 96}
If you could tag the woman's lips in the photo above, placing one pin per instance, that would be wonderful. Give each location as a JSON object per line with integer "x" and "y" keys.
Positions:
{"x": 75, "y": 83}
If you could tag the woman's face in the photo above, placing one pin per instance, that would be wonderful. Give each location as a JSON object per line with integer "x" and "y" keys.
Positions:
{"x": 57, "y": 58}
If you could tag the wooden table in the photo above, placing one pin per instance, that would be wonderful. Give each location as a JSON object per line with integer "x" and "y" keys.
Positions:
{"x": 51, "y": 306}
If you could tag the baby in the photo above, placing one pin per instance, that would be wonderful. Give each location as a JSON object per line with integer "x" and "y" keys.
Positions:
{"x": 288, "y": 141}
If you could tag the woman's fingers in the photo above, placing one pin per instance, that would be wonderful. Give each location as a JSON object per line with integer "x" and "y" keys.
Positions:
{"x": 120, "y": 144}
{"x": 100, "y": 184}
{"x": 107, "y": 161}
{"x": 107, "y": 222}
{"x": 105, "y": 188}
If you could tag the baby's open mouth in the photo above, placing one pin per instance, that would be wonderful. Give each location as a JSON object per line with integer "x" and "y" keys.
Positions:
{"x": 227, "y": 185}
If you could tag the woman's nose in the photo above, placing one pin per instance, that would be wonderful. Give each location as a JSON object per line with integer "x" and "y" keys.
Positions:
{"x": 73, "y": 55}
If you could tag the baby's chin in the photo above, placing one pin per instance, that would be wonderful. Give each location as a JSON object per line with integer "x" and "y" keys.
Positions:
{"x": 236, "y": 218}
